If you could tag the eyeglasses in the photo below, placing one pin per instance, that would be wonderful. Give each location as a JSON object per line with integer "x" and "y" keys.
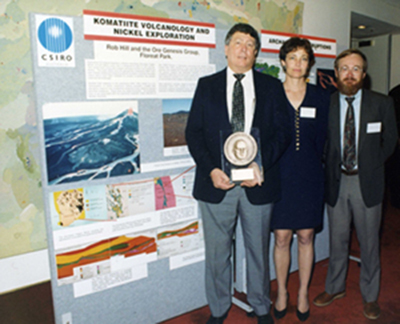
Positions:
{"x": 355, "y": 69}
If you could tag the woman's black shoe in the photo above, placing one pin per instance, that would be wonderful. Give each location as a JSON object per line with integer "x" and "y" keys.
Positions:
{"x": 282, "y": 313}
{"x": 302, "y": 316}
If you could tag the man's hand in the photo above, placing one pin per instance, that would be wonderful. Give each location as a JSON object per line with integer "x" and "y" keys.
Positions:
{"x": 258, "y": 178}
{"x": 220, "y": 179}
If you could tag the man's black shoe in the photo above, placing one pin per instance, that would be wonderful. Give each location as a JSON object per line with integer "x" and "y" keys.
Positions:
{"x": 265, "y": 319}
{"x": 217, "y": 320}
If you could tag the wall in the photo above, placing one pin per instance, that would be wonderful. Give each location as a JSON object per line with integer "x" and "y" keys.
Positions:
{"x": 377, "y": 54}
{"x": 327, "y": 18}
{"x": 389, "y": 12}
{"x": 386, "y": 10}
{"x": 395, "y": 61}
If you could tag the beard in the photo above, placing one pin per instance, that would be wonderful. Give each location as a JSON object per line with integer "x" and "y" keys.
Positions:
{"x": 349, "y": 89}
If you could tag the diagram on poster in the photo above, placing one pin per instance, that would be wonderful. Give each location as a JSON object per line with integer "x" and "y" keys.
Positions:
{"x": 106, "y": 235}
{"x": 87, "y": 141}
{"x": 105, "y": 211}
{"x": 164, "y": 193}
{"x": 129, "y": 199}
{"x": 104, "y": 257}
{"x": 179, "y": 238}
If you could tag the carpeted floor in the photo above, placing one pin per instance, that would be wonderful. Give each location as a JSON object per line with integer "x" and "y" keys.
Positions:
{"x": 33, "y": 305}
{"x": 348, "y": 310}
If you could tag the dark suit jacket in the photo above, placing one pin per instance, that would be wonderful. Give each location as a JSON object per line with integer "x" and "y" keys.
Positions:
{"x": 209, "y": 115}
{"x": 372, "y": 150}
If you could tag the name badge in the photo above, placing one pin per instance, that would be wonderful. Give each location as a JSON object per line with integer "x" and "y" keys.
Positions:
{"x": 307, "y": 112}
{"x": 374, "y": 127}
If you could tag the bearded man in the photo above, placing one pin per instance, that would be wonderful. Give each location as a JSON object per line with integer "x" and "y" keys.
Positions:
{"x": 361, "y": 136}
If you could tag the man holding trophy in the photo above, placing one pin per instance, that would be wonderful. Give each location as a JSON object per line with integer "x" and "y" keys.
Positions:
{"x": 236, "y": 132}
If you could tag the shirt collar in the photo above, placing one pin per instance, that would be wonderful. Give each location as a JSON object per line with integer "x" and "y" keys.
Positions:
{"x": 248, "y": 74}
{"x": 357, "y": 96}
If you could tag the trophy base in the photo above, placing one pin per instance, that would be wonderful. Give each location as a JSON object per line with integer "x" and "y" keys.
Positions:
{"x": 242, "y": 174}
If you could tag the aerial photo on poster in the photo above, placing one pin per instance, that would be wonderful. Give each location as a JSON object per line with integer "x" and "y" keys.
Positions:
{"x": 87, "y": 141}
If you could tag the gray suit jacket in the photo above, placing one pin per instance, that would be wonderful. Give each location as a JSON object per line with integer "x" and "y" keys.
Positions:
{"x": 372, "y": 150}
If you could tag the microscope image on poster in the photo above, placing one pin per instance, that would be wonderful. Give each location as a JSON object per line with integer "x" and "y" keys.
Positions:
{"x": 70, "y": 206}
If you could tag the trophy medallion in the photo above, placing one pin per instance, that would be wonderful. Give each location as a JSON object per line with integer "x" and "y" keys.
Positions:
{"x": 241, "y": 157}
{"x": 240, "y": 149}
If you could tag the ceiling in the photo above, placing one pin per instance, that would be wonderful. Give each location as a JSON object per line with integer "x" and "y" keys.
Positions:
{"x": 374, "y": 27}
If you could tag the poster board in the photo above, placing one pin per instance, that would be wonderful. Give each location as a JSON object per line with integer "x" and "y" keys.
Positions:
{"x": 124, "y": 233}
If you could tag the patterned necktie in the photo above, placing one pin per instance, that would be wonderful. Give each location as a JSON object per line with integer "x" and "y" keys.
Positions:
{"x": 349, "y": 142}
{"x": 237, "y": 120}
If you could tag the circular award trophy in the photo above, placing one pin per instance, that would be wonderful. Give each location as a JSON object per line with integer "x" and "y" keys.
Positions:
{"x": 240, "y": 149}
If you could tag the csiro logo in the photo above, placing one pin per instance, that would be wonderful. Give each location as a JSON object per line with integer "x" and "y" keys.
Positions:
{"x": 55, "y": 35}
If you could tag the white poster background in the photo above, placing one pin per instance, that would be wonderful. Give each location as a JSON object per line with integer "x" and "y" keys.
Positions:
{"x": 140, "y": 80}
{"x": 110, "y": 280}
{"x": 128, "y": 52}
{"x": 165, "y": 165}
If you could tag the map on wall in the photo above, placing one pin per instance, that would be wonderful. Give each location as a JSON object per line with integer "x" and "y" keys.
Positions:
{"x": 22, "y": 222}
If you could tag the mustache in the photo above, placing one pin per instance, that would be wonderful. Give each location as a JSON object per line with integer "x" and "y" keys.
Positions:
{"x": 349, "y": 79}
